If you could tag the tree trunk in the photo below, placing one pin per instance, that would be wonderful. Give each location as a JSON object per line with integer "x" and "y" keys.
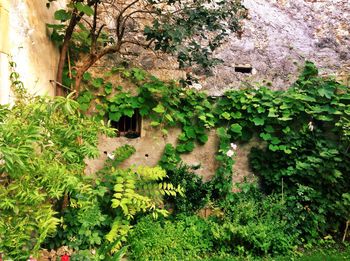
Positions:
{"x": 61, "y": 62}
{"x": 89, "y": 61}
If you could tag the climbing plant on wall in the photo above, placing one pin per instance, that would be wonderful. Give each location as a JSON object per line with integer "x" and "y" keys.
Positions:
{"x": 303, "y": 129}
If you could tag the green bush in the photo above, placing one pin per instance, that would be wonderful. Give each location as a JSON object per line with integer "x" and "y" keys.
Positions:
{"x": 196, "y": 192}
{"x": 100, "y": 217}
{"x": 43, "y": 144}
{"x": 253, "y": 225}
{"x": 185, "y": 238}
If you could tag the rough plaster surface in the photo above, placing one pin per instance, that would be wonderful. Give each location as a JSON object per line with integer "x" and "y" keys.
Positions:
{"x": 30, "y": 46}
{"x": 149, "y": 148}
{"x": 279, "y": 36}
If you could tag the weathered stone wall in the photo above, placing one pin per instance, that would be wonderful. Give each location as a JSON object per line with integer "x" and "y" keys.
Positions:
{"x": 28, "y": 43}
{"x": 149, "y": 148}
{"x": 278, "y": 37}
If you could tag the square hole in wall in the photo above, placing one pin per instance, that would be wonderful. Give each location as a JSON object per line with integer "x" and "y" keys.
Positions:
{"x": 129, "y": 127}
{"x": 244, "y": 69}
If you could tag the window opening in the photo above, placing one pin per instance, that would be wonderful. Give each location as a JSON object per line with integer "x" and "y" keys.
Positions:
{"x": 243, "y": 69}
{"x": 129, "y": 127}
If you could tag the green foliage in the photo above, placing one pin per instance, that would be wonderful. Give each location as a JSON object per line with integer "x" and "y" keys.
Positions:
{"x": 166, "y": 104}
{"x": 306, "y": 154}
{"x": 305, "y": 130}
{"x": 42, "y": 147}
{"x": 196, "y": 194}
{"x": 101, "y": 216}
{"x": 253, "y": 225}
{"x": 186, "y": 238}
{"x": 192, "y": 33}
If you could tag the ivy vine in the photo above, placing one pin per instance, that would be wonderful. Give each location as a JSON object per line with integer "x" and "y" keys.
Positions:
{"x": 304, "y": 129}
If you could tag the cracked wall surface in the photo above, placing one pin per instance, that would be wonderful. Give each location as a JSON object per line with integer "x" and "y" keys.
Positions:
{"x": 279, "y": 36}
{"x": 29, "y": 46}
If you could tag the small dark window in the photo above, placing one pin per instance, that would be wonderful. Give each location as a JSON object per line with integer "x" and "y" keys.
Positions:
{"x": 243, "y": 69}
{"x": 129, "y": 127}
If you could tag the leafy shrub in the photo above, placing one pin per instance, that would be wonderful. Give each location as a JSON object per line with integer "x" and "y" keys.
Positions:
{"x": 186, "y": 238}
{"x": 308, "y": 159}
{"x": 253, "y": 225}
{"x": 100, "y": 217}
{"x": 196, "y": 192}
{"x": 43, "y": 143}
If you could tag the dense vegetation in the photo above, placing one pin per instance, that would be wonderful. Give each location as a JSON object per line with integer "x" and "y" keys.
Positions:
{"x": 301, "y": 200}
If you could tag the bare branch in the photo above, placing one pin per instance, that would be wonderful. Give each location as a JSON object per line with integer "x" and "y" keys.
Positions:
{"x": 120, "y": 19}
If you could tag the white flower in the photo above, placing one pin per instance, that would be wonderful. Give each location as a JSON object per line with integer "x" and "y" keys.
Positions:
{"x": 196, "y": 86}
{"x": 311, "y": 126}
{"x": 234, "y": 146}
{"x": 110, "y": 156}
{"x": 229, "y": 153}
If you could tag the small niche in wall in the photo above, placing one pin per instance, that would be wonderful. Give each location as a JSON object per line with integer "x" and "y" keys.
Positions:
{"x": 129, "y": 127}
{"x": 244, "y": 69}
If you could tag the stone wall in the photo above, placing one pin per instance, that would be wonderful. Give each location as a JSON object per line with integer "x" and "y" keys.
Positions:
{"x": 278, "y": 37}
{"x": 27, "y": 42}
{"x": 149, "y": 148}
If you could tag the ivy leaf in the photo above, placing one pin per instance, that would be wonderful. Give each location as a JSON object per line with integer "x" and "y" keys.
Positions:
{"x": 269, "y": 129}
{"x": 154, "y": 123}
{"x": 159, "y": 108}
{"x": 181, "y": 148}
{"x": 265, "y": 136}
{"x": 169, "y": 118}
{"x": 114, "y": 108}
{"x": 128, "y": 112}
{"x": 108, "y": 88}
{"x": 190, "y": 132}
{"x": 87, "y": 76}
{"x": 236, "y": 115}
{"x": 258, "y": 121}
{"x": 138, "y": 74}
{"x": 84, "y": 106}
{"x": 203, "y": 138}
{"x": 273, "y": 147}
{"x": 189, "y": 146}
{"x": 285, "y": 118}
{"x": 62, "y": 15}
{"x": 275, "y": 140}
{"x": 84, "y": 8}
{"x": 236, "y": 128}
{"x": 97, "y": 82}
{"x": 326, "y": 92}
{"x": 165, "y": 132}
{"x": 114, "y": 116}
{"x": 144, "y": 111}
{"x": 221, "y": 132}
{"x": 226, "y": 115}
